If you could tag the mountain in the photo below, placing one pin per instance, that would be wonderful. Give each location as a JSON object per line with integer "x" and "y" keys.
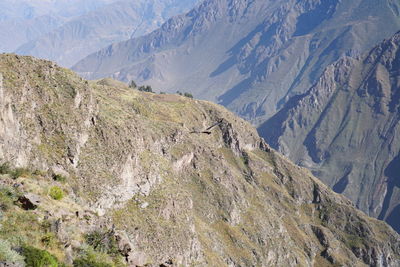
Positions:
{"x": 346, "y": 129}
{"x": 248, "y": 55}
{"x": 92, "y": 31}
{"x": 25, "y": 20}
{"x": 100, "y": 174}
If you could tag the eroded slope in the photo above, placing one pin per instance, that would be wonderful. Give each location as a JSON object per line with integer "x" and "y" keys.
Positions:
{"x": 172, "y": 191}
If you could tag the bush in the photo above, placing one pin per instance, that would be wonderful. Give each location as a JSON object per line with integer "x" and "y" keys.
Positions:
{"x": 146, "y": 88}
{"x": 86, "y": 261}
{"x": 7, "y": 254}
{"x": 90, "y": 258}
{"x": 56, "y": 193}
{"x": 132, "y": 84}
{"x": 7, "y": 198}
{"x": 103, "y": 242}
{"x": 5, "y": 168}
{"x": 38, "y": 258}
{"x": 59, "y": 178}
{"x": 20, "y": 172}
{"x": 188, "y": 95}
{"x": 49, "y": 240}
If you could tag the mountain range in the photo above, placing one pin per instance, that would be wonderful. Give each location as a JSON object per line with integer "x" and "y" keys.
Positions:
{"x": 25, "y": 20}
{"x": 94, "y": 173}
{"x": 346, "y": 129}
{"x": 59, "y": 32}
{"x": 250, "y": 56}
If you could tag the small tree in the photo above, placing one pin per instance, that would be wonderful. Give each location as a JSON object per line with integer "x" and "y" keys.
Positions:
{"x": 132, "y": 84}
{"x": 146, "y": 88}
{"x": 188, "y": 95}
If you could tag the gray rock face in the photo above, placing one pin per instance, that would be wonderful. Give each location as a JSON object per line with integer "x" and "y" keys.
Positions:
{"x": 346, "y": 129}
{"x": 250, "y": 56}
{"x": 114, "y": 22}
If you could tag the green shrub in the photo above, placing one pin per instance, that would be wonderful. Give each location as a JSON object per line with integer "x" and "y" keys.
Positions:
{"x": 146, "y": 88}
{"x": 5, "y": 168}
{"x": 7, "y": 198}
{"x": 91, "y": 258}
{"x": 90, "y": 262}
{"x": 188, "y": 95}
{"x": 132, "y": 84}
{"x": 20, "y": 172}
{"x": 49, "y": 240}
{"x": 7, "y": 254}
{"x": 59, "y": 178}
{"x": 102, "y": 242}
{"x": 38, "y": 258}
{"x": 56, "y": 193}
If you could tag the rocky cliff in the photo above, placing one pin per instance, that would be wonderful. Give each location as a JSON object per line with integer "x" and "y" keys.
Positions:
{"x": 101, "y": 174}
{"x": 346, "y": 129}
{"x": 249, "y": 56}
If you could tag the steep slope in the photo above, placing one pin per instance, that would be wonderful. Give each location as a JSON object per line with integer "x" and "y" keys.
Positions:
{"x": 25, "y": 20}
{"x": 248, "y": 55}
{"x": 115, "y": 22}
{"x": 346, "y": 129}
{"x": 170, "y": 192}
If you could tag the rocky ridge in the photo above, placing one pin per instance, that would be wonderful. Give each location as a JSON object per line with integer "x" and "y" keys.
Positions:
{"x": 258, "y": 53}
{"x": 138, "y": 172}
{"x": 346, "y": 129}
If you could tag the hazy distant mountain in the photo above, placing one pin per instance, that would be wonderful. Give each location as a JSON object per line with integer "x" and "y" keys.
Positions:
{"x": 29, "y": 9}
{"x": 346, "y": 128}
{"x": 90, "y": 32}
{"x": 25, "y": 20}
{"x": 248, "y": 55}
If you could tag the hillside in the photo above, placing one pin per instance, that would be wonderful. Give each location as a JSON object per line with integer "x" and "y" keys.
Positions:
{"x": 115, "y": 22}
{"x": 99, "y": 172}
{"x": 346, "y": 129}
{"x": 249, "y": 56}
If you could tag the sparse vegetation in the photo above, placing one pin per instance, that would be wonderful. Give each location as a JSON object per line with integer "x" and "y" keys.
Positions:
{"x": 59, "y": 178}
{"x": 7, "y": 254}
{"x": 7, "y": 198}
{"x": 20, "y": 172}
{"x": 145, "y": 88}
{"x": 49, "y": 240}
{"x": 5, "y": 168}
{"x": 188, "y": 95}
{"x": 132, "y": 85}
{"x": 91, "y": 259}
{"x": 56, "y": 193}
{"x": 35, "y": 257}
{"x": 102, "y": 242}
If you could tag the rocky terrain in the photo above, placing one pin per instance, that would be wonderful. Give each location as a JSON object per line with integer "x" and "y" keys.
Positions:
{"x": 346, "y": 129}
{"x": 94, "y": 173}
{"x": 114, "y": 22}
{"x": 251, "y": 55}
